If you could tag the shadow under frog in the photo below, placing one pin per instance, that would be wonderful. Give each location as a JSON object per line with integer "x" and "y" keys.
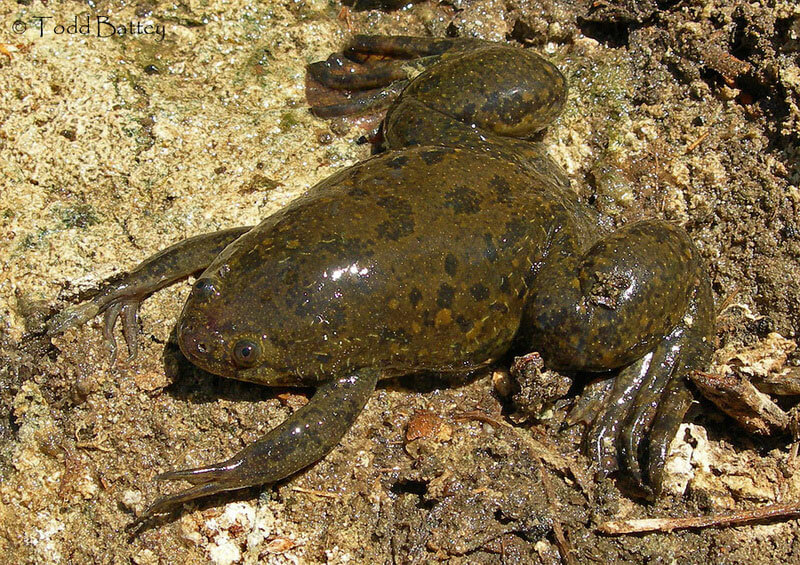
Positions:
{"x": 458, "y": 244}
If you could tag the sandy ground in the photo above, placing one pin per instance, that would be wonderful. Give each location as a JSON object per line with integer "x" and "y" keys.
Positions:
{"x": 113, "y": 147}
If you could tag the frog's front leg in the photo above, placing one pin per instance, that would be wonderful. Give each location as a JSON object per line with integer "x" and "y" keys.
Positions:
{"x": 302, "y": 439}
{"x": 637, "y": 300}
{"x": 122, "y": 298}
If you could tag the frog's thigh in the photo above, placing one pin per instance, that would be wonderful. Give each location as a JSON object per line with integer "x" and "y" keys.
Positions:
{"x": 302, "y": 439}
{"x": 614, "y": 304}
{"x": 507, "y": 91}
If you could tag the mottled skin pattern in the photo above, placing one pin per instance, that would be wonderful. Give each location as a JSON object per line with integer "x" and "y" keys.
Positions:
{"x": 459, "y": 243}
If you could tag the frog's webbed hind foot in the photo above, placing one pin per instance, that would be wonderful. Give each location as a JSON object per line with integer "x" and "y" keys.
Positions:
{"x": 620, "y": 436}
{"x": 371, "y": 72}
{"x": 642, "y": 410}
{"x": 302, "y": 439}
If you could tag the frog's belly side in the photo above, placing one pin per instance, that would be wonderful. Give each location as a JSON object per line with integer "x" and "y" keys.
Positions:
{"x": 417, "y": 260}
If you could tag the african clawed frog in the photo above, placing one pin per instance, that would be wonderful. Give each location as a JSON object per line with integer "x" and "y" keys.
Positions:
{"x": 460, "y": 242}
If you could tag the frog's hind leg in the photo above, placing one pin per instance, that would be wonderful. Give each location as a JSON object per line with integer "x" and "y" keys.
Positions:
{"x": 362, "y": 47}
{"x": 638, "y": 301}
{"x": 302, "y": 439}
{"x": 648, "y": 402}
{"x": 650, "y": 397}
{"x": 327, "y": 102}
{"x": 123, "y": 297}
{"x": 372, "y": 72}
{"x": 342, "y": 74}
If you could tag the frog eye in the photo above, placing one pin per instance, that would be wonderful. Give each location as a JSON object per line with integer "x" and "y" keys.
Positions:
{"x": 246, "y": 353}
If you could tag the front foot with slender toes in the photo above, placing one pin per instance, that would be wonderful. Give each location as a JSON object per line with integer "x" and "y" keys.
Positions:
{"x": 114, "y": 304}
{"x": 121, "y": 299}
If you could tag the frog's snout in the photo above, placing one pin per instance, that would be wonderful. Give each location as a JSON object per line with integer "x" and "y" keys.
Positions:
{"x": 203, "y": 346}
{"x": 187, "y": 339}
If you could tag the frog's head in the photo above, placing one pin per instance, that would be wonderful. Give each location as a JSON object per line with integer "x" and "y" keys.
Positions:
{"x": 214, "y": 333}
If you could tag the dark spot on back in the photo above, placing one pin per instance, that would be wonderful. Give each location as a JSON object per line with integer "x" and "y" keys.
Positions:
{"x": 290, "y": 277}
{"x": 414, "y": 296}
{"x": 463, "y": 323}
{"x": 467, "y": 111}
{"x": 491, "y": 251}
{"x": 463, "y": 200}
{"x": 502, "y": 189}
{"x": 505, "y": 286}
{"x": 335, "y": 315}
{"x": 400, "y": 222}
{"x": 303, "y": 306}
{"x": 278, "y": 341}
{"x": 389, "y": 335}
{"x": 432, "y": 156}
{"x": 515, "y": 231}
{"x": 394, "y": 204}
{"x": 498, "y": 307}
{"x": 395, "y": 229}
{"x": 445, "y": 296}
{"x": 512, "y": 109}
{"x": 451, "y": 264}
{"x": 343, "y": 248}
{"x": 356, "y": 192}
{"x": 479, "y": 292}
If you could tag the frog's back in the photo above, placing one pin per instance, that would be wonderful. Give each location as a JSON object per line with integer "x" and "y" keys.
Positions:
{"x": 415, "y": 260}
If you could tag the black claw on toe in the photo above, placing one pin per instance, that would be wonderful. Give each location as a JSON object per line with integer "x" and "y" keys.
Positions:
{"x": 127, "y": 311}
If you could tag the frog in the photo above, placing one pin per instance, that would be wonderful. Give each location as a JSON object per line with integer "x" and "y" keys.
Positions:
{"x": 459, "y": 242}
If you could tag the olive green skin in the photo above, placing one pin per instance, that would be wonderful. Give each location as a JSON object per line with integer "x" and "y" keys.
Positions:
{"x": 389, "y": 264}
{"x": 418, "y": 259}
{"x": 459, "y": 243}
{"x": 423, "y": 258}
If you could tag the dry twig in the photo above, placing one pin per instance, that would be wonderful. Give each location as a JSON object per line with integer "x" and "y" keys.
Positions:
{"x": 773, "y": 511}
{"x": 563, "y": 544}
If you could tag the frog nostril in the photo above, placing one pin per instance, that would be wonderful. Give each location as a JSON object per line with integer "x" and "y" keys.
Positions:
{"x": 205, "y": 288}
{"x": 201, "y": 347}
